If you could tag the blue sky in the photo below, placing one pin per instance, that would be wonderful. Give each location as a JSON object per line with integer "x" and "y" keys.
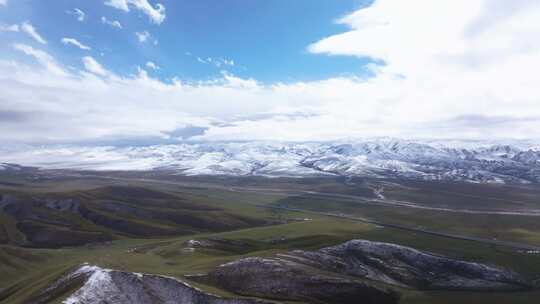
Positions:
{"x": 266, "y": 40}
{"x": 154, "y": 71}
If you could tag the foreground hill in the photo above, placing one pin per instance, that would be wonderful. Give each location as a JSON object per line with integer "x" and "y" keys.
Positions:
{"x": 94, "y": 284}
{"x": 352, "y": 272}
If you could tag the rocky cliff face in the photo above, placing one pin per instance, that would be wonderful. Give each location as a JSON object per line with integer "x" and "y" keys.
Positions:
{"x": 104, "y": 286}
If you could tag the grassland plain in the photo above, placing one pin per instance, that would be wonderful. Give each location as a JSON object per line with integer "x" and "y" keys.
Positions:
{"x": 28, "y": 270}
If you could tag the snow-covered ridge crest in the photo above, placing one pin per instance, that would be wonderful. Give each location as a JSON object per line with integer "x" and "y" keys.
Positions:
{"x": 98, "y": 284}
{"x": 101, "y": 285}
{"x": 427, "y": 160}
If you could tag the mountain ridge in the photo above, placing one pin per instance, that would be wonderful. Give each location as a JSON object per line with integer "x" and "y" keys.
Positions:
{"x": 377, "y": 158}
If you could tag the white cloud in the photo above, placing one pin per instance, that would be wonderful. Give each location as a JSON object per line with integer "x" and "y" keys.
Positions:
{"x": 113, "y": 23}
{"x": 3, "y": 2}
{"x": 119, "y": 4}
{"x": 43, "y": 58}
{"x": 229, "y": 62}
{"x": 220, "y": 62}
{"x": 445, "y": 59}
{"x": 230, "y": 107}
{"x": 81, "y": 16}
{"x": 155, "y": 13}
{"x": 453, "y": 69}
{"x": 152, "y": 65}
{"x": 216, "y": 61}
{"x": 92, "y": 66}
{"x": 76, "y": 43}
{"x": 9, "y": 28}
{"x": 29, "y": 29}
{"x": 142, "y": 36}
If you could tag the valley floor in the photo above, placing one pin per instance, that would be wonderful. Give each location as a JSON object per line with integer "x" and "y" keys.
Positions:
{"x": 254, "y": 217}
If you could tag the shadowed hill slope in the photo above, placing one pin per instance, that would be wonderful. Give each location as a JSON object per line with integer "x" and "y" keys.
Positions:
{"x": 107, "y": 213}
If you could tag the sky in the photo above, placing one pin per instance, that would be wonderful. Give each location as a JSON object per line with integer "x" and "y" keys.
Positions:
{"x": 158, "y": 71}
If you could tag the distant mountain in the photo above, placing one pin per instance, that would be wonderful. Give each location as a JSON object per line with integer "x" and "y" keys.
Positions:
{"x": 378, "y": 158}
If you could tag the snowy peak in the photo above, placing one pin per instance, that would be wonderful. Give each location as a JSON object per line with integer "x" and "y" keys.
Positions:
{"x": 102, "y": 285}
{"x": 528, "y": 157}
{"x": 379, "y": 158}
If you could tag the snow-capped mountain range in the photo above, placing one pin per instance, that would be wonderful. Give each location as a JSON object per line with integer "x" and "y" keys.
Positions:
{"x": 379, "y": 158}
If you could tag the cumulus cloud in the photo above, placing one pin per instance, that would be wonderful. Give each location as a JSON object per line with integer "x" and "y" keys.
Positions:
{"x": 450, "y": 69}
{"x": 98, "y": 104}
{"x": 113, "y": 23}
{"x": 81, "y": 16}
{"x": 144, "y": 36}
{"x": 92, "y": 66}
{"x": 31, "y": 31}
{"x": 155, "y": 13}
{"x": 43, "y": 58}
{"x": 218, "y": 62}
{"x": 152, "y": 65}
{"x": 76, "y": 43}
{"x": 26, "y": 28}
{"x": 9, "y": 28}
{"x": 446, "y": 59}
{"x": 119, "y": 4}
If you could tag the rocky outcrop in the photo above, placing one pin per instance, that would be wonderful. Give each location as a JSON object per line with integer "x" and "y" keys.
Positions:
{"x": 70, "y": 205}
{"x": 399, "y": 265}
{"x": 280, "y": 279}
{"x": 354, "y": 272}
{"x": 104, "y": 286}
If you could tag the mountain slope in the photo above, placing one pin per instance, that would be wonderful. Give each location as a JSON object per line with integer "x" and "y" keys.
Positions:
{"x": 380, "y": 158}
